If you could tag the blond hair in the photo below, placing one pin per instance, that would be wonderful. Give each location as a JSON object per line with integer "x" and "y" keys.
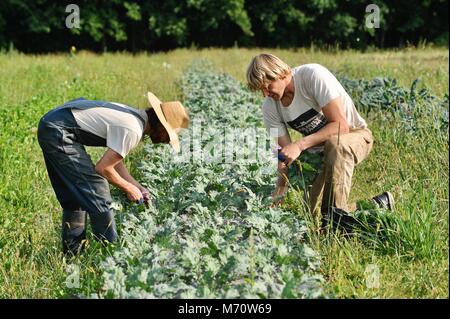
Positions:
{"x": 263, "y": 68}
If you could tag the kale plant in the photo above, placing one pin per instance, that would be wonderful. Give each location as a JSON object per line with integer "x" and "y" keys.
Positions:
{"x": 210, "y": 231}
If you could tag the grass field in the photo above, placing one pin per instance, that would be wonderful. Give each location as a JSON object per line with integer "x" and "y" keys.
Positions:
{"x": 413, "y": 263}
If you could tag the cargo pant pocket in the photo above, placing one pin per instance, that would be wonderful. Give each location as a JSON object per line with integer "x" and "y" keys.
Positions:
{"x": 361, "y": 145}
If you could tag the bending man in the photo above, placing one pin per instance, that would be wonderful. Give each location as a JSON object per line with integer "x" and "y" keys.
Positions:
{"x": 81, "y": 187}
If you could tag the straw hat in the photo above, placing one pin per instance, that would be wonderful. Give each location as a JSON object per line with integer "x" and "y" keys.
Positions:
{"x": 172, "y": 115}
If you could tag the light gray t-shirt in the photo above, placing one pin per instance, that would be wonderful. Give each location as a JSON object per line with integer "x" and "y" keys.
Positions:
{"x": 122, "y": 131}
{"x": 315, "y": 87}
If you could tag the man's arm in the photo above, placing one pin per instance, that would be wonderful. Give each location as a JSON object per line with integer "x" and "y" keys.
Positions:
{"x": 125, "y": 174}
{"x": 123, "y": 171}
{"x": 282, "y": 181}
{"x": 334, "y": 113}
{"x": 283, "y": 141}
{"x": 106, "y": 167}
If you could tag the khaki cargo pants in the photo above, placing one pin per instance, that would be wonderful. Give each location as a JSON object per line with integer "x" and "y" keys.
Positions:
{"x": 341, "y": 155}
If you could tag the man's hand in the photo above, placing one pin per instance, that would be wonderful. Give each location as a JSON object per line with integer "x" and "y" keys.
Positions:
{"x": 145, "y": 194}
{"x": 134, "y": 194}
{"x": 291, "y": 152}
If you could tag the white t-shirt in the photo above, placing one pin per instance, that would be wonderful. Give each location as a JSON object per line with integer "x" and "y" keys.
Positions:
{"x": 122, "y": 131}
{"x": 315, "y": 87}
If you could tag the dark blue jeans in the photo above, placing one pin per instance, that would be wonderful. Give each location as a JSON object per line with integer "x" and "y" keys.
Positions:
{"x": 78, "y": 187}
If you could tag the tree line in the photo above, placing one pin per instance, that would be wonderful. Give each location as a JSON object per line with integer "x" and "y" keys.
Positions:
{"x": 133, "y": 25}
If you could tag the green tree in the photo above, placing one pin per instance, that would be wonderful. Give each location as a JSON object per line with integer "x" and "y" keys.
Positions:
{"x": 39, "y": 25}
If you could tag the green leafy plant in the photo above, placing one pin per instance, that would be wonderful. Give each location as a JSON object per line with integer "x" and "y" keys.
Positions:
{"x": 211, "y": 232}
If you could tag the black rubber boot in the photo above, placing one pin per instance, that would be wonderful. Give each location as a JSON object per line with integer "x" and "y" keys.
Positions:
{"x": 339, "y": 219}
{"x": 384, "y": 200}
{"x": 73, "y": 231}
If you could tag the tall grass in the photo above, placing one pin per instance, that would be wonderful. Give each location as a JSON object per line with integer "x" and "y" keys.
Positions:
{"x": 403, "y": 244}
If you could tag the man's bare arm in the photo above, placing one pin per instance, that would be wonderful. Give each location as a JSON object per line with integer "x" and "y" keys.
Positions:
{"x": 106, "y": 168}
{"x": 334, "y": 113}
{"x": 337, "y": 124}
{"x": 125, "y": 174}
{"x": 282, "y": 168}
{"x": 282, "y": 181}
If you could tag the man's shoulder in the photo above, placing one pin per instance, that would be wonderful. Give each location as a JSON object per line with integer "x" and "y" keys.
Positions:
{"x": 310, "y": 68}
{"x": 314, "y": 71}
{"x": 268, "y": 103}
{"x": 131, "y": 132}
{"x": 126, "y": 106}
